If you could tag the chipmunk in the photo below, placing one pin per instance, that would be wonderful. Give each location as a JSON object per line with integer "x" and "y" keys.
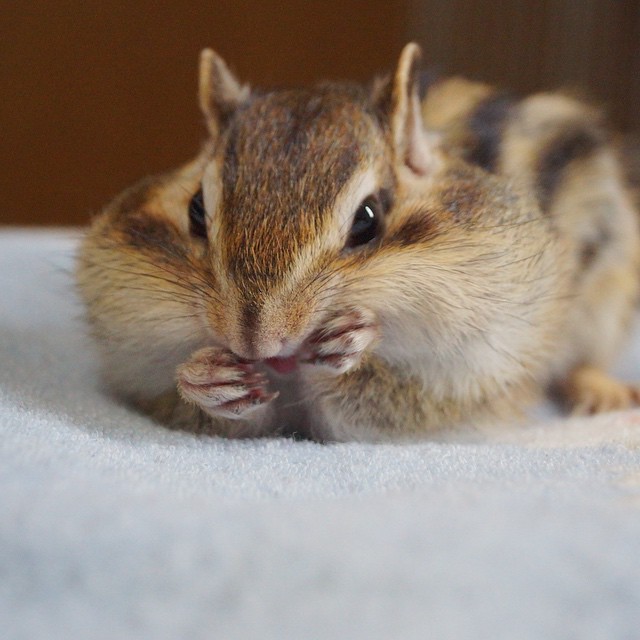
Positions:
{"x": 354, "y": 263}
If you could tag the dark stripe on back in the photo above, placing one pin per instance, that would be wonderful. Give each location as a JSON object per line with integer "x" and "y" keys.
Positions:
{"x": 572, "y": 143}
{"x": 486, "y": 124}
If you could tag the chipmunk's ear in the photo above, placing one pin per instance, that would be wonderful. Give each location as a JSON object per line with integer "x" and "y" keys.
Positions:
{"x": 220, "y": 92}
{"x": 399, "y": 99}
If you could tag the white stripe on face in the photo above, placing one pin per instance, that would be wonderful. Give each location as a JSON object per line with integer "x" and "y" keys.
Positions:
{"x": 363, "y": 183}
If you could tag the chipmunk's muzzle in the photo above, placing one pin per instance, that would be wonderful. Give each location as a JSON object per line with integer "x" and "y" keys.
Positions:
{"x": 267, "y": 320}
{"x": 271, "y": 332}
{"x": 278, "y": 356}
{"x": 283, "y": 366}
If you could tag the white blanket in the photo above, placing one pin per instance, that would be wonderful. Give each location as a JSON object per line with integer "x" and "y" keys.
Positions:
{"x": 114, "y": 527}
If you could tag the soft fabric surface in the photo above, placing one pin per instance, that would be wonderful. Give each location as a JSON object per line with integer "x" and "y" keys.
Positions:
{"x": 114, "y": 527}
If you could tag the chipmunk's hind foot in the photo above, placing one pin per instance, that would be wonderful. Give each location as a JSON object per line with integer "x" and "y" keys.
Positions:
{"x": 589, "y": 390}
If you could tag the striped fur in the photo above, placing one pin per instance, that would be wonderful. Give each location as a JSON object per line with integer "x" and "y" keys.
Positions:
{"x": 506, "y": 262}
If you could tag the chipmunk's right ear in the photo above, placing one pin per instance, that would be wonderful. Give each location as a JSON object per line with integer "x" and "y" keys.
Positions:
{"x": 220, "y": 92}
{"x": 397, "y": 97}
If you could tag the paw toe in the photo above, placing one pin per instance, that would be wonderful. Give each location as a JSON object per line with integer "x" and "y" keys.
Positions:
{"x": 340, "y": 343}
{"x": 222, "y": 384}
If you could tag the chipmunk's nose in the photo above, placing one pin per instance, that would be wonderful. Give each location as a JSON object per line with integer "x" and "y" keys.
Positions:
{"x": 261, "y": 339}
{"x": 257, "y": 348}
{"x": 270, "y": 331}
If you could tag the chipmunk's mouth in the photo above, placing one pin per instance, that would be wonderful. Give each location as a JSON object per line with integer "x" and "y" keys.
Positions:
{"x": 282, "y": 365}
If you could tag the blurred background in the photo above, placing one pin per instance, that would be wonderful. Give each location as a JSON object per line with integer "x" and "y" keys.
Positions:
{"x": 97, "y": 94}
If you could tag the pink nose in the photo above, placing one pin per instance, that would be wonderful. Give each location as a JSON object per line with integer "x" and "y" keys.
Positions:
{"x": 278, "y": 349}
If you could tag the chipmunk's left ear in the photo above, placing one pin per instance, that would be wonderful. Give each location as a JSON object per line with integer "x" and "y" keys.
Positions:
{"x": 400, "y": 100}
{"x": 220, "y": 92}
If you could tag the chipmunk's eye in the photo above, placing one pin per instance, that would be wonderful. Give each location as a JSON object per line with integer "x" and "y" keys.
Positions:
{"x": 366, "y": 222}
{"x": 197, "y": 223}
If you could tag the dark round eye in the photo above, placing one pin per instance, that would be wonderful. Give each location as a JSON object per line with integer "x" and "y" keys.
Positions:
{"x": 197, "y": 222}
{"x": 366, "y": 222}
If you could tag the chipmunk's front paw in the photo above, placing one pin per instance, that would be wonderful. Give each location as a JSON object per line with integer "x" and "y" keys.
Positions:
{"x": 341, "y": 342}
{"x": 222, "y": 384}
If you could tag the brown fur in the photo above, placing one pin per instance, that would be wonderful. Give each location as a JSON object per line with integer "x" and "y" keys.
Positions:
{"x": 506, "y": 261}
{"x": 272, "y": 149}
{"x": 486, "y": 126}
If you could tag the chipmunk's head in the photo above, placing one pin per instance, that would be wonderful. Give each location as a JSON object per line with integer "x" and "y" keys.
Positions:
{"x": 296, "y": 184}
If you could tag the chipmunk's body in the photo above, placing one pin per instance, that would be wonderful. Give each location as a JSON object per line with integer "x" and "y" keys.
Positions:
{"x": 326, "y": 266}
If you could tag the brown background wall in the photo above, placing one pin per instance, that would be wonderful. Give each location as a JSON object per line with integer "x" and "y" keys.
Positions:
{"x": 97, "y": 94}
